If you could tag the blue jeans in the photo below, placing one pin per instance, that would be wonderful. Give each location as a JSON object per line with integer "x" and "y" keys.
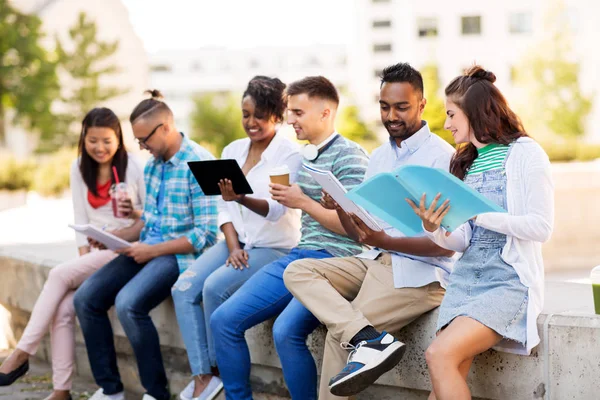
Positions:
{"x": 210, "y": 282}
{"x": 134, "y": 289}
{"x": 262, "y": 297}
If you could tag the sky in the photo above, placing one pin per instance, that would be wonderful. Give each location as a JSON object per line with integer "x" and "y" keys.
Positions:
{"x": 191, "y": 24}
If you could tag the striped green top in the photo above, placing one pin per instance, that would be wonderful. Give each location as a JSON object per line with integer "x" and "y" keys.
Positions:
{"x": 489, "y": 158}
{"x": 348, "y": 162}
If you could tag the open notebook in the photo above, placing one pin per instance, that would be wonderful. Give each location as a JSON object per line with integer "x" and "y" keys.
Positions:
{"x": 330, "y": 184}
{"x": 111, "y": 241}
{"x": 384, "y": 194}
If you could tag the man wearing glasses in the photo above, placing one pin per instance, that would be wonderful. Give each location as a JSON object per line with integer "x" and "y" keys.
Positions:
{"x": 177, "y": 225}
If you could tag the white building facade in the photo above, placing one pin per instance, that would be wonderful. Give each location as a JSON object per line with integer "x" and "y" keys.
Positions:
{"x": 453, "y": 35}
{"x": 183, "y": 74}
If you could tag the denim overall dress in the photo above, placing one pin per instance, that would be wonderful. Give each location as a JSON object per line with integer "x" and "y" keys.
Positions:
{"x": 482, "y": 285}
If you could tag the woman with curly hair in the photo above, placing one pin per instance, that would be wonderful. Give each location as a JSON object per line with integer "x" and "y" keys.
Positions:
{"x": 257, "y": 229}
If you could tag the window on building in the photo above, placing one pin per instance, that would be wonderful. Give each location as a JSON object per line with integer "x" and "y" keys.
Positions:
{"x": 384, "y": 23}
{"x": 427, "y": 27}
{"x": 520, "y": 22}
{"x": 471, "y": 25}
{"x": 160, "y": 68}
{"x": 382, "y": 48}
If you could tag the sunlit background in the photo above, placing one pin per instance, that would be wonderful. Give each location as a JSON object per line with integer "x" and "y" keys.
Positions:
{"x": 61, "y": 58}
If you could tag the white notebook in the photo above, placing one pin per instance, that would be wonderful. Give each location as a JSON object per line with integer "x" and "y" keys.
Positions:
{"x": 330, "y": 184}
{"x": 111, "y": 241}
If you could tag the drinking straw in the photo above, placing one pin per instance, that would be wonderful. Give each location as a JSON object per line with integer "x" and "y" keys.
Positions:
{"x": 116, "y": 175}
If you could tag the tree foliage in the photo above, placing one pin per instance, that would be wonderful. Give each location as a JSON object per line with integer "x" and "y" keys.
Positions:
{"x": 350, "y": 125}
{"x": 28, "y": 79}
{"x": 551, "y": 76}
{"x": 216, "y": 121}
{"x": 86, "y": 61}
{"x": 435, "y": 110}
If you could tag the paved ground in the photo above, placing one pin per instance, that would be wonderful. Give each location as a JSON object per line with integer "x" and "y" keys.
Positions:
{"x": 37, "y": 384}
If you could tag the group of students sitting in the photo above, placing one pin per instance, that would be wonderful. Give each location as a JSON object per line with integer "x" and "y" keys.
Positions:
{"x": 291, "y": 253}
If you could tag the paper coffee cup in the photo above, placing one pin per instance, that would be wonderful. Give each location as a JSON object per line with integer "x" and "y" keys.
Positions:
{"x": 280, "y": 175}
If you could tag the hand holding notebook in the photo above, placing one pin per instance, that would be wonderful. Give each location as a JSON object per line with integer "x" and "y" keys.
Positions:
{"x": 111, "y": 241}
{"x": 384, "y": 196}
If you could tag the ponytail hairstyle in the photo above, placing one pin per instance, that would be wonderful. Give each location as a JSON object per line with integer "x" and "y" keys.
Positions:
{"x": 149, "y": 106}
{"x": 268, "y": 96}
{"x": 490, "y": 118}
{"x": 88, "y": 167}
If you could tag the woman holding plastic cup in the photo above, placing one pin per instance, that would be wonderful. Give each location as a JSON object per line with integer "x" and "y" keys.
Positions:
{"x": 103, "y": 163}
{"x": 257, "y": 229}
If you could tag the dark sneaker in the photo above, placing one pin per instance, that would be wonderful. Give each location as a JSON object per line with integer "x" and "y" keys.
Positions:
{"x": 366, "y": 363}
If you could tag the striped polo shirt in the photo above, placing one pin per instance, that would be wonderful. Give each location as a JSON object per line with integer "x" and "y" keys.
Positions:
{"x": 489, "y": 158}
{"x": 348, "y": 162}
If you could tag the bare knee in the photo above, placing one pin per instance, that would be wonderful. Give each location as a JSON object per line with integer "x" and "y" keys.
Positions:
{"x": 437, "y": 355}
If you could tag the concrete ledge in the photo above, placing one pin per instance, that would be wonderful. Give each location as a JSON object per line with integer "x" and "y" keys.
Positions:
{"x": 565, "y": 365}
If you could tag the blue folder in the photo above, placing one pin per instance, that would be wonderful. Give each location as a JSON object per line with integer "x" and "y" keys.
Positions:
{"x": 383, "y": 196}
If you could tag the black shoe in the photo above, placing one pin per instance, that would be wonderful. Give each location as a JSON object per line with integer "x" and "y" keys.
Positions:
{"x": 8, "y": 379}
{"x": 366, "y": 363}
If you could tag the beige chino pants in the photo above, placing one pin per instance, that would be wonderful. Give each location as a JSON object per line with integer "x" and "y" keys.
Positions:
{"x": 347, "y": 294}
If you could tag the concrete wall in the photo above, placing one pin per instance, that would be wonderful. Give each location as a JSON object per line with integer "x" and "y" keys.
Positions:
{"x": 564, "y": 366}
{"x": 575, "y": 242}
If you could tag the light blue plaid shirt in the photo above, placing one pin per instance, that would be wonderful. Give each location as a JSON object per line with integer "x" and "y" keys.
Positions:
{"x": 185, "y": 210}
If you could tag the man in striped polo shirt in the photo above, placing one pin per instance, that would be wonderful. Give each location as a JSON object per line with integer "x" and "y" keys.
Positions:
{"x": 397, "y": 281}
{"x": 312, "y": 105}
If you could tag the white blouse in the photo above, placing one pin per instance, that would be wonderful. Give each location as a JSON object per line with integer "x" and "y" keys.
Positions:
{"x": 528, "y": 223}
{"x": 281, "y": 227}
{"x": 102, "y": 217}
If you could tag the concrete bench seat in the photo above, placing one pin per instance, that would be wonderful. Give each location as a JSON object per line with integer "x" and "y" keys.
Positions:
{"x": 566, "y": 365}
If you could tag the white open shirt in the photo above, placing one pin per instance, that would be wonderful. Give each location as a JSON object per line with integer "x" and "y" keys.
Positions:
{"x": 281, "y": 227}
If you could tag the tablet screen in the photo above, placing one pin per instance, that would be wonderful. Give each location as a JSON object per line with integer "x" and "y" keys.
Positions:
{"x": 209, "y": 173}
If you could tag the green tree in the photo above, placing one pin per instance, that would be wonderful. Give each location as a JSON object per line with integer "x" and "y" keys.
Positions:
{"x": 350, "y": 125}
{"x": 28, "y": 80}
{"x": 551, "y": 76}
{"x": 86, "y": 64}
{"x": 216, "y": 121}
{"x": 435, "y": 110}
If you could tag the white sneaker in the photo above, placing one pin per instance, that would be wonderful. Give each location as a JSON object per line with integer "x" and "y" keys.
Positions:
{"x": 212, "y": 390}
{"x": 188, "y": 392}
{"x": 366, "y": 363}
{"x": 99, "y": 395}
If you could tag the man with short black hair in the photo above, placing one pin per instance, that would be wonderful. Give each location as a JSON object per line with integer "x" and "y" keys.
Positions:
{"x": 386, "y": 288}
{"x": 312, "y": 104}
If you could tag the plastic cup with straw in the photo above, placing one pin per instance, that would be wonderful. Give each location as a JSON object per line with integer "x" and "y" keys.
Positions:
{"x": 118, "y": 191}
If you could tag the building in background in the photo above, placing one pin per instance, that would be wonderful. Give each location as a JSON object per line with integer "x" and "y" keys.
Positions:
{"x": 453, "y": 35}
{"x": 112, "y": 20}
{"x": 183, "y": 74}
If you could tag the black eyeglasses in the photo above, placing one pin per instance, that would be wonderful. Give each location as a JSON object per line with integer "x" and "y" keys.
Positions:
{"x": 142, "y": 142}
